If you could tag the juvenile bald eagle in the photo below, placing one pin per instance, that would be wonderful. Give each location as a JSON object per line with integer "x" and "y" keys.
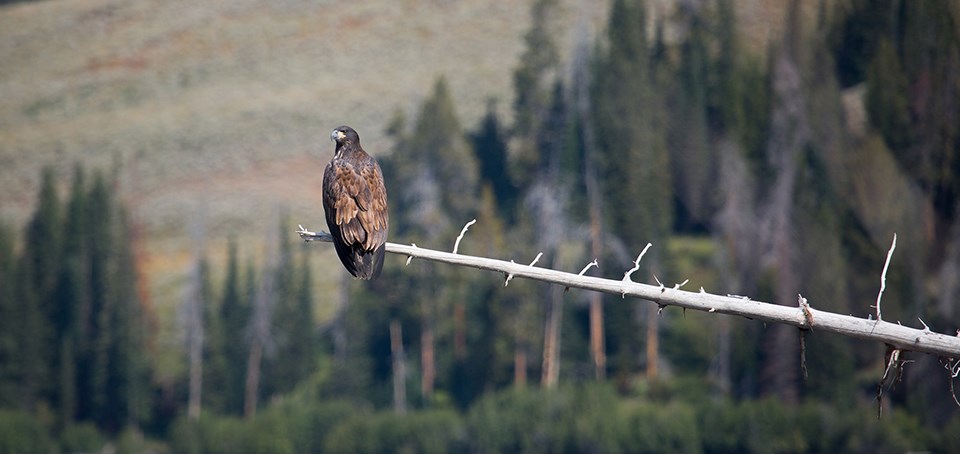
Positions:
{"x": 355, "y": 205}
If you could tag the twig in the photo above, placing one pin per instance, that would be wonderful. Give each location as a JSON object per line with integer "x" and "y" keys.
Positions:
{"x": 456, "y": 245}
{"x": 803, "y": 353}
{"x": 953, "y": 370}
{"x": 883, "y": 276}
{"x": 893, "y": 363}
{"x": 311, "y": 236}
{"x": 410, "y": 257}
{"x": 584, "y": 270}
{"x": 636, "y": 264}
{"x": 534, "y": 262}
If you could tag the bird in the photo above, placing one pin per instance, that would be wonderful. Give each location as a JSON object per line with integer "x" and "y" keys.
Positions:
{"x": 355, "y": 205}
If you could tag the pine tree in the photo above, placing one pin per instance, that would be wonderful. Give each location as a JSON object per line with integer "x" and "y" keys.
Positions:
{"x": 234, "y": 313}
{"x": 38, "y": 270}
{"x": 693, "y": 168}
{"x": 74, "y": 322}
{"x": 8, "y": 321}
{"x": 539, "y": 68}
{"x": 490, "y": 148}
{"x": 438, "y": 177}
{"x": 130, "y": 362}
{"x": 887, "y": 97}
{"x": 294, "y": 357}
{"x": 632, "y": 159}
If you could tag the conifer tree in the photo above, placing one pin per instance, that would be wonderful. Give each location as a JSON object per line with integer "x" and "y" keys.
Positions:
{"x": 490, "y": 148}
{"x": 632, "y": 160}
{"x": 38, "y": 270}
{"x": 439, "y": 179}
{"x": 234, "y": 313}
{"x": 887, "y": 102}
{"x": 74, "y": 296}
{"x": 532, "y": 80}
{"x": 295, "y": 345}
{"x": 8, "y": 322}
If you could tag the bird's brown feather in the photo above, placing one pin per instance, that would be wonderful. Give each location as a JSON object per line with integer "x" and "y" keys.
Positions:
{"x": 355, "y": 205}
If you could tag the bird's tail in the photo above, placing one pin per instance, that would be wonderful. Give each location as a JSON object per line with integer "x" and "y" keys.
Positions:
{"x": 369, "y": 265}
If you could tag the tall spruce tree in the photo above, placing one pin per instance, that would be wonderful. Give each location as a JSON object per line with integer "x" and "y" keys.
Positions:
{"x": 490, "y": 148}
{"x": 8, "y": 321}
{"x": 438, "y": 180}
{"x": 632, "y": 160}
{"x": 539, "y": 68}
{"x": 38, "y": 270}
{"x": 295, "y": 345}
{"x": 234, "y": 313}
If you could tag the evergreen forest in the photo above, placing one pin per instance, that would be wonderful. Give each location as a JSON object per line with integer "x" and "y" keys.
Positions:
{"x": 764, "y": 172}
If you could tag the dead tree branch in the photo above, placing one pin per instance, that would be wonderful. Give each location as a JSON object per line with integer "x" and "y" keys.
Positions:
{"x": 805, "y": 316}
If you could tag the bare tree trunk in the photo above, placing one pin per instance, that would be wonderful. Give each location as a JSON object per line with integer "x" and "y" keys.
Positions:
{"x": 550, "y": 374}
{"x": 583, "y": 101}
{"x": 196, "y": 376}
{"x": 253, "y": 380}
{"x": 262, "y": 313}
{"x": 789, "y": 133}
{"x": 459, "y": 329}
{"x": 427, "y": 355}
{"x": 597, "y": 348}
{"x": 653, "y": 342}
{"x": 194, "y": 304}
{"x": 339, "y": 328}
{"x": 427, "y": 351}
{"x": 737, "y": 258}
{"x": 519, "y": 367}
{"x": 399, "y": 367}
{"x": 194, "y": 326}
{"x": 720, "y": 366}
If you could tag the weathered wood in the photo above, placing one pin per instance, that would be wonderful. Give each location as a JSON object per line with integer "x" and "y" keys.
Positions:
{"x": 899, "y": 336}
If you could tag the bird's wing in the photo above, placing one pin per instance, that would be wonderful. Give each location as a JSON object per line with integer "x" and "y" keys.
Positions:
{"x": 373, "y": 215}
{"x": 345, "y": 196}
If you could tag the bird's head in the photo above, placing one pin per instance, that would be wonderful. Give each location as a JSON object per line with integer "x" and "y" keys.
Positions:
{"x": 344, "y": 135}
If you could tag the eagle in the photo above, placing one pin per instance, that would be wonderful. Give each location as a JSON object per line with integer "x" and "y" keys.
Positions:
{"x": 355, "y": 205}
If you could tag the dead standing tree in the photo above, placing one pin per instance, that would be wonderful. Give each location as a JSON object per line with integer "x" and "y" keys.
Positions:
{"x": 896, "y": 337}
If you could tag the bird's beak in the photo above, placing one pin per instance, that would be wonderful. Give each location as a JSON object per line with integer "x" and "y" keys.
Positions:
{"x": 334, "y": 134}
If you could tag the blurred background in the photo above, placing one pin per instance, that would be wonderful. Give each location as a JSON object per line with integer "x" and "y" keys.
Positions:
{"x": 157, "y": 157}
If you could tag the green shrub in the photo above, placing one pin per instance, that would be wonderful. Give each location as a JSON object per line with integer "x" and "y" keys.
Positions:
{"x": 306, "y": 426}
{"x": 429, "y": 431}
{"x": 83, "y": 437}
{"x": 22, "y": 433}
{"x": 655, "y": 427}
{"x": 576, "y": 419}
{"x": 210, "y": 434}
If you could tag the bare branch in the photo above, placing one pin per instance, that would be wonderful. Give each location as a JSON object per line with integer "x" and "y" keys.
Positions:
{"x": 895, "y": 364}
{"x": 456, "y": 245}
{"x": 636, "y": 264}
{"x": 953, "y": 370}
{"x": 584, "y": 270}
{"x": 510, "y": 275}
{"x": 883, "y": 276}
{"x": 901, "y": 337}
{"x": 410, "y": 257}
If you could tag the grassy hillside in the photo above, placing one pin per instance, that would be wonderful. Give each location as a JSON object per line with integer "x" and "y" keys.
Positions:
{"x": 216, "y": 114}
